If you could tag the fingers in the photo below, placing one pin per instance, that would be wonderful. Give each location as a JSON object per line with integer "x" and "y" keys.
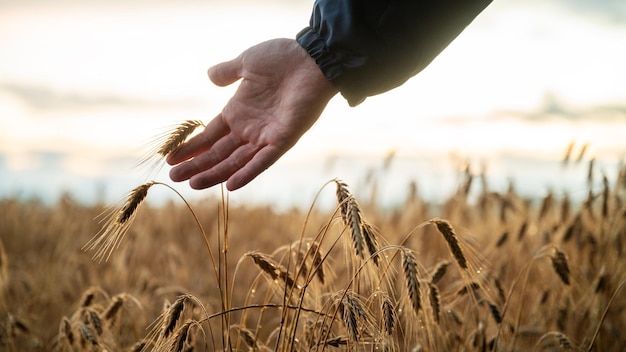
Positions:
{"x": 222, "y": 150}
{"x": 265, "y": 158}
{"x": 215, "y": 130}
{"x": 225, "y": 169}
{"x": 226, "y": 73}
{"x": 239, "y": 168}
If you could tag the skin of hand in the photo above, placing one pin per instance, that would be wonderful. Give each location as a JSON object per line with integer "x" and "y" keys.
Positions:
{"x": 281, "y": 94}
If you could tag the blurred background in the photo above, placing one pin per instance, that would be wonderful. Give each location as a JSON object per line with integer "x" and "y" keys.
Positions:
{"x": 84, "y": 85}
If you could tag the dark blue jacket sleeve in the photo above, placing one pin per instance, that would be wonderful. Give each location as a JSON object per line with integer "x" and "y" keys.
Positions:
{"x": 366, "y": 47}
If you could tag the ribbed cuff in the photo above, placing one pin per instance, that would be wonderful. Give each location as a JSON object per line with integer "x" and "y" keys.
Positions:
{"x": 329, "y": 63}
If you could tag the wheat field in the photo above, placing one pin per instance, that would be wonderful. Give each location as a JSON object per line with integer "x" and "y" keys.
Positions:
{"x": 490, "y": 272}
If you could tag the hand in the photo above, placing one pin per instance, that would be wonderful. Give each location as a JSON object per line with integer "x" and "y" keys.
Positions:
{"x": 281, "y": 94}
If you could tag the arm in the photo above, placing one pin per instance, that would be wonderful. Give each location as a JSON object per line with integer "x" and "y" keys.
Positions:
{"x": 359, "y": 47}
{"x": 366, "y": 47}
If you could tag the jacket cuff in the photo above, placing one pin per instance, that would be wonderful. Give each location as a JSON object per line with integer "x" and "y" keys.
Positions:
{"x": 328, "y": 62}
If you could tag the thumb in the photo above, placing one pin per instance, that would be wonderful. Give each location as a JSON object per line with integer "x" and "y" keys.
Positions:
{"x": 225, "y": 73}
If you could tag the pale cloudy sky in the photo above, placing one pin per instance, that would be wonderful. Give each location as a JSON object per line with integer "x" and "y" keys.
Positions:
{"x": 89, "y": 82}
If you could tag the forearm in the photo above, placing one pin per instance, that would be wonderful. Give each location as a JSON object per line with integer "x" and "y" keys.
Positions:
{"x": 366, "y": 47}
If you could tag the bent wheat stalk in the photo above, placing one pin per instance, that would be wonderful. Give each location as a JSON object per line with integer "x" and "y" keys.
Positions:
{"x": 604, "y": 313}
{"x": 117, "y": 224}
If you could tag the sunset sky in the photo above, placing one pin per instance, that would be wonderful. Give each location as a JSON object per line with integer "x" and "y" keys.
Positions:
{"x": 85, "y": 84}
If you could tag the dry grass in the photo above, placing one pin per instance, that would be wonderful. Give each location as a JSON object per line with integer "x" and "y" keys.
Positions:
{"x": 499, "y": 273}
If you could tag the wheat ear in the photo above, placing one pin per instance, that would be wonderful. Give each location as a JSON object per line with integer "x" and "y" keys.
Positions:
{"x": 318, "y": 264}
{"x": 451, "y": 238}
{"x": 118, "y": 223}
{"x": 166, "y": 143}
{"x": 273, "y": 269}
{"x": 173, "y": 315}
{"x": 178, "y": 343}
{"x": 559, "y": 263}
{"x": 371, "y": 241}
{"x": 352, "y": 313}
{"x": 435, "y": 301}
{"x": 351, "y": 215}
{"x": 409, "y": 264}
{"x": 389, "y": 315}
{"x": 439, "y": 272}
{"x": 178, "y": 136}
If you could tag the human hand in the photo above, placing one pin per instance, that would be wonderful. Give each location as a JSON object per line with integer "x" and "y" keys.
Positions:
{"x": 281, "y": 94}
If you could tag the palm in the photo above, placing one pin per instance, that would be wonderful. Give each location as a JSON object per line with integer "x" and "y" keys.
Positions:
{"x": 281, "y": 94}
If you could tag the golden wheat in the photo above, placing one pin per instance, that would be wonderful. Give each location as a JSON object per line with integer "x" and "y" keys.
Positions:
{"x": 172, "y": 316}
{"x": 178, "y": 136}
{"x": 559, "y": 263}
{"x": 389, "y": 315}
{"x": 180, "y": 337}
{"x": 435, "y": 301}
{"x": 118, "y": 224}
{"x": 164, "y": 144}
{"x": 351, "y": 305}
{"x": 409, "y": 264}
{"x": 451, "y": 238}
{"x": 439, "y": 271}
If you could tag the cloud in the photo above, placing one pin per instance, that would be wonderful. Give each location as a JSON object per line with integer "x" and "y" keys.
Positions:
{"x": 552, "y": 109}
{"x": 44, "y": 97}
{"x": 611, "y": 11}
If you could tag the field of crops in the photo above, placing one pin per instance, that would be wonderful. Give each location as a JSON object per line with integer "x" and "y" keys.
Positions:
{"x": 491, "y": 272}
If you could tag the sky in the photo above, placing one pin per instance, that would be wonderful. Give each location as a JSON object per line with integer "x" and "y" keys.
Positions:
{"x": 84, "y": 85}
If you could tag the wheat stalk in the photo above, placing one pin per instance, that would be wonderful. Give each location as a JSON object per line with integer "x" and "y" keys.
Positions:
{"x": 139, "y": 346}
{"x": 178, "y": 136}
{"x": 4, "y": 269}
{"x": 89, "y": 295}
{"x": 342, "y": 198}
{"x": 451, "y": 238}
{"x": 111, "y": 312}
{"x": 66, "y": 330}
{"x": 356, "y": 226}
{"x": 559, "y": 263}
{"x": 439, "y": 271}
{"x": 389, "y": 315}
{"x": 272, "y": 268}
{"x": 522, "y": 231}
{"x": 409, "y": 264}
{"x": 470, "y": 287}
{"x": 371, "y": 241}
{"x": 110, "y": 236}
{"x": 336, "y": 341}
{"x": 95, "y": 321}
{"x": 435, "y": 301}
{"x": 350, "y": 319}
{"x": 351, "y": 215}
{"x": 247, "y": 336}
{"x": 180, "y": 337}
{"x": 164, "y": 144}
{"x": 503, "y": 238}
{"x": 172, "y": 316}
{"x": 87, "y": 335}
{"x": 562, "y": 340}
{"x": 318, "y": 264}
{"x": 494, "y": 310}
